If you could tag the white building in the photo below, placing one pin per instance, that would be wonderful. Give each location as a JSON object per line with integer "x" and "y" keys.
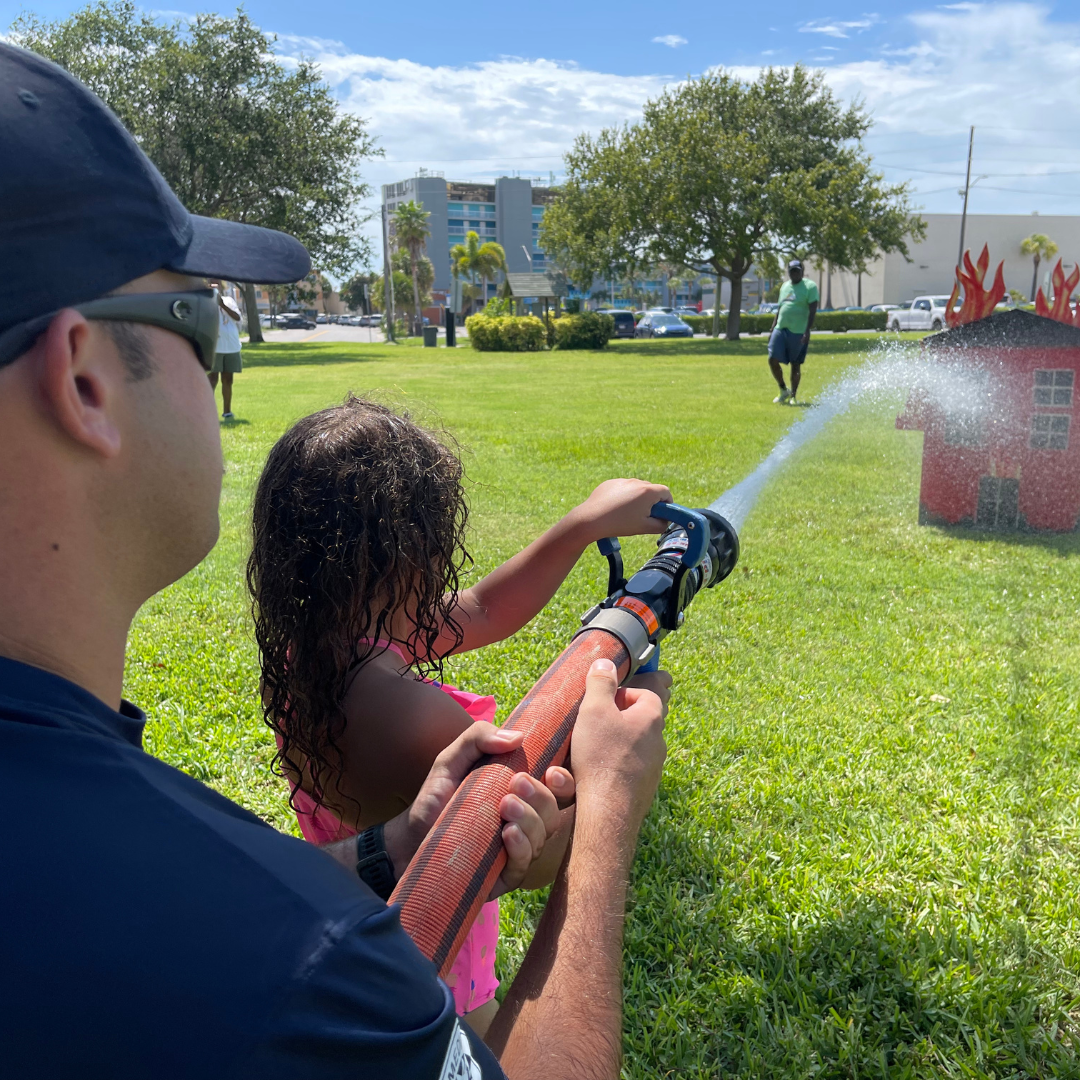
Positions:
{"x": 931, "y": 269}
{"x": 894, "y": 279}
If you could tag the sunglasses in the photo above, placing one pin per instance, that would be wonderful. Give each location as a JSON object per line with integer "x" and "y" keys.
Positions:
{"x": 193, "y": 315}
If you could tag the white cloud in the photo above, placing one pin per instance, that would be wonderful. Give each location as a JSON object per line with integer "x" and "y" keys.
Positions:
{"x": 836, "y": 29}
{"x": 673, "y": 41}
{"x": 1005, "y": 67}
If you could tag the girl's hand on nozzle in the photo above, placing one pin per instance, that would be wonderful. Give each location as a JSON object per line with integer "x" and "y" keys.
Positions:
{"x": 621, "y": 508}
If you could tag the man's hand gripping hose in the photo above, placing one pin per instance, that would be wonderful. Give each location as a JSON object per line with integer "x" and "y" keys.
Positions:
{"x": 455, "y": 868}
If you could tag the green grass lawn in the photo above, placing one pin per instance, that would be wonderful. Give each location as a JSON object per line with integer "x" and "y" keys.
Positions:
{"x": 865, "y": 854}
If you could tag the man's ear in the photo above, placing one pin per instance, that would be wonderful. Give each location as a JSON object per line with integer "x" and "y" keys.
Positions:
{"x": 79, "y": 382}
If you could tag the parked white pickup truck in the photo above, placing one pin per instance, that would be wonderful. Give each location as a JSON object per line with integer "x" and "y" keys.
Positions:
{"x": 925, "y": 313}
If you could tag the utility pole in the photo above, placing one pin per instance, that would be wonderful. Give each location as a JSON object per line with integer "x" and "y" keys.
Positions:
{"x": 965, "y": 192}
{"x": 388, "y": 276}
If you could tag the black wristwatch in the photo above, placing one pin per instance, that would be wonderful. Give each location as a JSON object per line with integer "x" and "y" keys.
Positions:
{"x": 373, "y": 864}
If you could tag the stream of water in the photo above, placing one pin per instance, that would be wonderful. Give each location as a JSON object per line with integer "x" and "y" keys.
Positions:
{"x": 889, "y": 372}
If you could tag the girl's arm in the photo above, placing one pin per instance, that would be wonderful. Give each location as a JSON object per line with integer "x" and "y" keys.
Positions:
{"x": 507, "y": 598}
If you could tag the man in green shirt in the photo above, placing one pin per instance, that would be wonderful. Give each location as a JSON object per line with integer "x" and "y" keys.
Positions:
{"x": 791, "y": 330}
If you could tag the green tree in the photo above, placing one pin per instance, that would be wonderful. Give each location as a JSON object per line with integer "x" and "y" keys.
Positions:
{"x": 720, "y": 172}
{"x": 402, "y": 268}
{"x": 410, "y": 233}
{"x": 236, "y": 134}
{"x": 475, "y": 260}
{"x": 356, "y": 292}
{"x": 1039, "y": 247}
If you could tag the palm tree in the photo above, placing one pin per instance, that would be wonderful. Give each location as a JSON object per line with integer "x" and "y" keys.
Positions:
{"x": 411, "y": 231}
{"x": 463, "y": 257}
{"x": 490, "y": 259}
{"x": 1039, "y": 247}
{"x": 473, "y": 259}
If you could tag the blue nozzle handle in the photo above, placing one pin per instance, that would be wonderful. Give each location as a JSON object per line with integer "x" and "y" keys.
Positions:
{"x": 653, "y": 663}
{"x": 697, "y": 530}
{"x": 609, "y": 545}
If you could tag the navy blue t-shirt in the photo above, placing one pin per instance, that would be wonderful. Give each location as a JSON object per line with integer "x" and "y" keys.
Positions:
{"x": 150, "y": 929}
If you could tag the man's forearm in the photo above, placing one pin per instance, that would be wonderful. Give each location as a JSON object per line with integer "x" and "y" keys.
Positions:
{"x": 562, "y": 1019}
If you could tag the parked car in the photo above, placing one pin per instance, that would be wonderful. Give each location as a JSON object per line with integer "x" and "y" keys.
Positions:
{"x": 321, "y": 319}
{"x": 660, "y": 311}
{"x": 293, "y": 320}
{"x": 624, "y": 321}
{"x": 659, "y": 324}
{"x": 681, "y": 311}
{"x": 925, "y": 313}
{"x": 883, "y": 307}
{"x": 768, "y": 308}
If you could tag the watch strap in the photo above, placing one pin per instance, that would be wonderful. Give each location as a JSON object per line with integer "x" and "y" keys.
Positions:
{"x": 373, "y": 865}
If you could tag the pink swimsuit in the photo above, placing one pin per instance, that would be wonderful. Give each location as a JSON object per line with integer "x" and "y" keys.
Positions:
{"x": 472, "y": 978}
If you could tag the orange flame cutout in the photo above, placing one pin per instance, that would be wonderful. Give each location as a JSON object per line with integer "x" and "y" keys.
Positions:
{"x": 1063, "y": 288}
{"x": 978, "y": 300}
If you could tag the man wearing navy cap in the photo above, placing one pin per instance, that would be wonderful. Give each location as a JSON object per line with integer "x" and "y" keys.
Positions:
{"x": 790, "y": 335}
{"x": 150, "y": 928}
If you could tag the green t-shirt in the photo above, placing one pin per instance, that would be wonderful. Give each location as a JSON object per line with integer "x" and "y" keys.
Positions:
{"x": 795, "y": 301}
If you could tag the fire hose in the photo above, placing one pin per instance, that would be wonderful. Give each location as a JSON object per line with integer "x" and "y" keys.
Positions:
{"x": 455, "y": 868}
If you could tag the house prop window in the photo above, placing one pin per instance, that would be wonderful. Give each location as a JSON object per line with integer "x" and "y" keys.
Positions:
{"x": 1050, "y": 432}
{"x": 1054, "y": 387}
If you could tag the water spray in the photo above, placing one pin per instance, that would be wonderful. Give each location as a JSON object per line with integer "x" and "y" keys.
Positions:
{"x": 453, "y": 872}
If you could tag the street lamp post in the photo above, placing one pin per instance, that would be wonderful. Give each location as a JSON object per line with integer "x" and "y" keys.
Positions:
{"x": 965, "y": 191}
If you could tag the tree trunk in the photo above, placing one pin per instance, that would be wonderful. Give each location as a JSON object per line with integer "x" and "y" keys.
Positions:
{"x": 417, "y": 317}
{"x": 1034, "y": 278}
{"x": 255, "y": 334}
{"x": 828, "y": 286}
{"x": 734, "y": 306}
{"x": 716, "y": 308}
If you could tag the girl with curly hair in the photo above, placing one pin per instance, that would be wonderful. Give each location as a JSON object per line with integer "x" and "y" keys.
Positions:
{"x": 355, "y": 574}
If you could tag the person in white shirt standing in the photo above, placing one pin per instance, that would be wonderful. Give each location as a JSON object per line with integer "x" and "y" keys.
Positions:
{"x": 227, "y": 360}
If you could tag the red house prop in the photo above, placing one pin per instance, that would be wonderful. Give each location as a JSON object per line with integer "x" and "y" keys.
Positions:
{"x": 1005, "y": 455}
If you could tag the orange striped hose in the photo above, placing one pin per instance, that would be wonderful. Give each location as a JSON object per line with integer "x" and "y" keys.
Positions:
{"x": 452, "y": 874}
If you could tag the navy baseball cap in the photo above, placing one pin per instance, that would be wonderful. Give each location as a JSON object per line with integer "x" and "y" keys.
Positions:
{"x": 83, "y": 210}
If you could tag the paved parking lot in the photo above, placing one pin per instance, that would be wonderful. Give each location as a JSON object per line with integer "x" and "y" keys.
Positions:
{"x": 330, "y": 332}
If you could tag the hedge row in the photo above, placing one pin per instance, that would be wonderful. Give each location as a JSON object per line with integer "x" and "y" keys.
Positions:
{"x": 838, "y": 321}
{"x": 526, "y": 333}
{"x": 516, "y": 333}
{"x": 585, "y": 331}
{"x": 506, "y": 333}
{"x": 748, "y": 324}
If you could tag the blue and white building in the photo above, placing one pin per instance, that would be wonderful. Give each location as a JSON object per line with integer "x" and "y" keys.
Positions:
{"x": 508, "y": 211}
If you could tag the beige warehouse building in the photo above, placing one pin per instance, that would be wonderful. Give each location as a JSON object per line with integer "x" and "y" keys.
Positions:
{"x": 893, "y": 279}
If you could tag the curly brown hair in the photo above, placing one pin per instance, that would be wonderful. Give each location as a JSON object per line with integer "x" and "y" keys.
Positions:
{"x": 359, "y": 514}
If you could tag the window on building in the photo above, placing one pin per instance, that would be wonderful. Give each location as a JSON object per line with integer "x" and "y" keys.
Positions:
{"x": 1049, "y": 432}
{"x": 475, "y": 224}
{"x": 455, "y": 207}
{"x": 963, "y": 429}
{"x": 1054, "y": 386}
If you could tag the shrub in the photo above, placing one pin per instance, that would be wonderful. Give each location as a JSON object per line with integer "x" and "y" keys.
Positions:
{"x": 585, "y": 331}
{"x": 843, "y": 321}
{"x": 838, "y": 321}
{"x": 505, "y": 333}
{"x": 748, "y": 324}
{"x": 499, "y": 305}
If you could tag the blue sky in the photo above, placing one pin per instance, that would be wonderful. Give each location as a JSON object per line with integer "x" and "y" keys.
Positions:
{"x": 503, "y": 88}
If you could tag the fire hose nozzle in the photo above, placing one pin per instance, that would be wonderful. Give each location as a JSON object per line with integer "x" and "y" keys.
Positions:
{"x": 697, "y": 551}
